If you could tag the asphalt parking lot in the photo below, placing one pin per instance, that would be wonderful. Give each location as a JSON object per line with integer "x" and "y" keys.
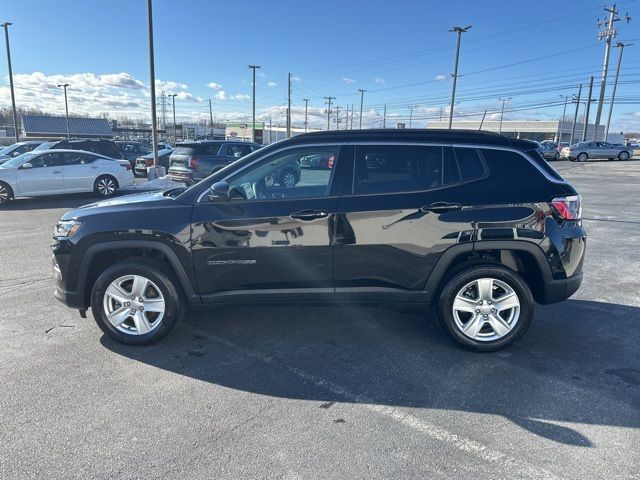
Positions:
{"x": 313, "y": 391}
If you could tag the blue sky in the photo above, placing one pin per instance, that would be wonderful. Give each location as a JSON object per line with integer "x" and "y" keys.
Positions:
{"x": 400, "y": 51}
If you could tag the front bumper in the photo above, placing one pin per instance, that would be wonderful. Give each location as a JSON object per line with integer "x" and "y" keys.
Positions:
{"x": 68, "y": 297}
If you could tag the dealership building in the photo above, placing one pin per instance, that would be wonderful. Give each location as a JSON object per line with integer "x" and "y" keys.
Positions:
{"x": 538, "y": 130}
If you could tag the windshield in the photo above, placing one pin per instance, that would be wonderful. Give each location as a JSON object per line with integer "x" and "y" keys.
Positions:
{"x": 19, "y": 160}
{"x": 45, "y": 146}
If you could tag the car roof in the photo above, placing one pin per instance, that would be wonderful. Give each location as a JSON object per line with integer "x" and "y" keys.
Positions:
{"x": 475, "y": 137}
{"x": 70, "y": 150}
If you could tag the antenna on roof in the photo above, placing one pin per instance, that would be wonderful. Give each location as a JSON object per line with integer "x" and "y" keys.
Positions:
{"x": 482, "y": 121}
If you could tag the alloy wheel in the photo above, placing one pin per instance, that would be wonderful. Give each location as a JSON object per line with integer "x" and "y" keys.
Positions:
{"x": 4, "y": 194}
{"x": 582, "y": 157}
{"x": 133, "y": 304}
{"x": 486, "y": 309}
{"x": 106, "y": 186}
{"x": 623, "y": 156}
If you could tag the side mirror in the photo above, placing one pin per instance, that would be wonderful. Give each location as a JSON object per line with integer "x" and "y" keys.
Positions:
{"x": 27, "y": 165}
{"x": 219, "y": 191}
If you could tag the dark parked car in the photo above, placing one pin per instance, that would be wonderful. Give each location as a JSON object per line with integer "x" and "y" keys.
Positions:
{"x": 108, "y": 148}
{"x": 132, "y": 150}
{"x": 475, "y": 223}
{"x": 12, "y": 151}
{"x": 191, "y": 162}
{"x": 145, "y": 161}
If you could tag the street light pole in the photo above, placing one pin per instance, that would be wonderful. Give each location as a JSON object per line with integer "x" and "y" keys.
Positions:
{"x": 253, "y": 116}
{"x": 13, "y": 95}
{"x": 211, "y": 117}
{"x": 361, "y": 104}
{"x": 411, "y": 107}
{"x": 66, "y": 107}
{"x": 175, "y": 132}
{"x": 503, "y": 100}
{"x": 621, "y": 46}
{"x": 152, "y": 81}
{"x": 564, "y": 110}
{"x": 459, "y": 31}
{"x": 575, "y": 115}
{"x": 306, "y": 105}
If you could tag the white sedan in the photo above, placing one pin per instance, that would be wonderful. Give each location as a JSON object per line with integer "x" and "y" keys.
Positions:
{"x": 51, "y": 172}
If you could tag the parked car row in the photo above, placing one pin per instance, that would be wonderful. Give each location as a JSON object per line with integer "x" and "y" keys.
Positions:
{"x": 56, "y": 171}
{"x": 583, "y": 151}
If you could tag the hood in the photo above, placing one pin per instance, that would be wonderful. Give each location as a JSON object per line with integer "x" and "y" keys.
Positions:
{"x": 137, "y": 201}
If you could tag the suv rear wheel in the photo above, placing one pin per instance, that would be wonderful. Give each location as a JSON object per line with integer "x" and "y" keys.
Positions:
{"x": 486, "y": 308}
{"x": 135, "y": 302}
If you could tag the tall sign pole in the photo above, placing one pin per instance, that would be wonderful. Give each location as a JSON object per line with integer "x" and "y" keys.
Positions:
{"x": 152, "y": 79}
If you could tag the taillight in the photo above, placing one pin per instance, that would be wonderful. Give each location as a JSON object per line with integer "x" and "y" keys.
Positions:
{"x": 330, "y": 161}
{"x": 568, "y": 208}
{"x": 193, "y": 162}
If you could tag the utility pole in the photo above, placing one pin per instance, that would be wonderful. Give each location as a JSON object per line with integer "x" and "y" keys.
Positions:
{"x": 607, "y": 34}
{"x": 175, "y": 131}
{"x": 361, "y": 104}
{"x": 13, "y": 95}
{"x": 270, "y": 141}
{"x": 621, "y": 46}
{"x": 564, "y": 110}
{"x": 306, "y": 109}
{"x": 346, "y": 119}
{"x": 503, "y": 100}
{"x": 211, "y": 117}
{"x": 152, "y": 89}
{"x": 351, "y": 124}
{"x": 575, "y": 115}
{"x": 586, "y": 113}
{"x": 384, "y": 117}
{"x": 289, "y": 107}
{"x": 329, "y": 100}
{"x": 459, "y": 31}
{"x": 253, "y": 115}
{"x": 411, "y": 107}
{"x": 337, "y": 117}
{"x": 66, "y": 107}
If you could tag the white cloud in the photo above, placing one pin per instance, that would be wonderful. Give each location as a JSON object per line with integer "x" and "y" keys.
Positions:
{"x": 221, "y": 95}
{"x": 440, "y": 77}
{"x": 170, "y": 86}
{"x": 348, "y": 80}
{"x": 214, "y": 85}
{"x": 241, "y": 96}
{"x": 295, "y": 78}
{"x": 379, "y": 80}
{"x": 272, "y": 84}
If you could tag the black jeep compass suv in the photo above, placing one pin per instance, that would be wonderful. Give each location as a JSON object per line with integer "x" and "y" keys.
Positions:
{"x": 473, "y": 222}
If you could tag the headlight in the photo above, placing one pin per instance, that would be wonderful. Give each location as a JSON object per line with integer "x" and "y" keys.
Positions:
{"x": 66, "y": 229}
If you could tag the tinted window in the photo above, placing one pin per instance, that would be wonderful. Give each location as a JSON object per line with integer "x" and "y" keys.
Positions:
{"x": 184, "y": 151}
{"x": 542, "y": 163}
{"x": 208, "y": 149}
{"x": 279, "y": 176}
{"x": 46, "y": 160}
{"x": 400, "y": 168}
{"x": 238, "y": 151}
{"x": 471, "y": 165}
{"x": 512, "y": 168}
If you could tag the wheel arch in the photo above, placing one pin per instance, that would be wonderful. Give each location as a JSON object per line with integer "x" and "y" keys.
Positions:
{"x": 525, "y": 258}
{"x": 97, "y": 257}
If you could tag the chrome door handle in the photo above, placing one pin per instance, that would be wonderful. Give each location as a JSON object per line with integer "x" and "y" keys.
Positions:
{"x": 307, "y": 215}
{"x": 441, "y": 207}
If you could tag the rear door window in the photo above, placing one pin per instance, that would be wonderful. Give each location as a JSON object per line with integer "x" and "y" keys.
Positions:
{"x": 400, "y": 168}
{"x": 472, "y": 167}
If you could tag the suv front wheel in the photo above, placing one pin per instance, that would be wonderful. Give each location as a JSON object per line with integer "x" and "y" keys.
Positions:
{"x": 135, "y": 302}
{"x": 486, "y": 308}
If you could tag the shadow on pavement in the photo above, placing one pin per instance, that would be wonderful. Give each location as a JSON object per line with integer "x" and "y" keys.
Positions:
{"x": 579, "y": 362}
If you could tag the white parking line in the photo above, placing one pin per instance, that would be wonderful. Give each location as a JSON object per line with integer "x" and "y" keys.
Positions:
{"x": 517, "y": 468}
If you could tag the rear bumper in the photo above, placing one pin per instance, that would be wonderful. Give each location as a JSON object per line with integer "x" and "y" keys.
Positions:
{"x": 560, "y": 289}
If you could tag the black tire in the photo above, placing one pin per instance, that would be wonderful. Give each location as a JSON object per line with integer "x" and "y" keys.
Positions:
{"x": 460, "y": 280}
{"x": 105, "y": 186}
{"x": 6, "y": 193}
{"x": 623, "y": 156}
{"x": 163, "y": 279}
{"x": 582, "y": 157}
{"x": 287, "y": 174}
